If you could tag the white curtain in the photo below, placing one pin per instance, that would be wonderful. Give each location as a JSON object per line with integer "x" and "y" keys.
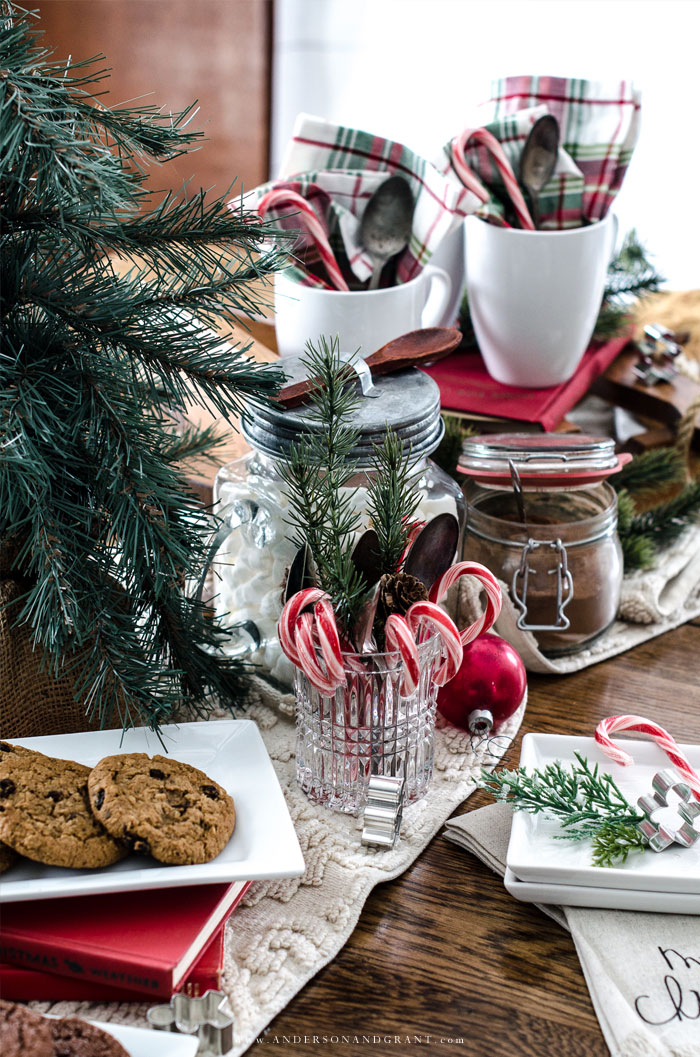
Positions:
{"x": 414, "y": 70}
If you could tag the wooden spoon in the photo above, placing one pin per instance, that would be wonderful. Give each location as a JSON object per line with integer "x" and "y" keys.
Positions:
{"x": 410, "y": 350}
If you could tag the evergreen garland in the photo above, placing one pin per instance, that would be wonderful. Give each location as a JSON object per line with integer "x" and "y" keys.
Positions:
{"x": 643, "y": 534}
{"x": 97, "y": 359}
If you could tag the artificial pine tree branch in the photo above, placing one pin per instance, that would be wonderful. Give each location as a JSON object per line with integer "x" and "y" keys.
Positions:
{"x": 96, "y": 360}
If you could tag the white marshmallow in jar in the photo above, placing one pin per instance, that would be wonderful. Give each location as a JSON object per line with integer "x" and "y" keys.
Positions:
{"x": 256, "y": 550}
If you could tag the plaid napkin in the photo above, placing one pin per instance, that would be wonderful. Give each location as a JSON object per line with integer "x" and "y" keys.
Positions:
{"x": 599, "y": 128}
{"x": 337, "y": 170}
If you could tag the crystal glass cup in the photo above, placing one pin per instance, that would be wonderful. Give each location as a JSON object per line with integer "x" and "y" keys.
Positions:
{"x": 368, "y": 727}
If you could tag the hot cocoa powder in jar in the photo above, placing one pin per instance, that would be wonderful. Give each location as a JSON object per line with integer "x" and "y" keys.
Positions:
{"x": 559, "y": 554}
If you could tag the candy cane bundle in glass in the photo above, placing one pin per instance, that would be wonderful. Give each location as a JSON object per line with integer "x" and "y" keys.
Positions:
{"x": 365, "y": 713}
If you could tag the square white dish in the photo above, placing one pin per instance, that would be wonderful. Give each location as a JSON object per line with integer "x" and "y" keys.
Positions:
{"x": 264, "y": 843}
{"x": 536, "y": 854}
{"x": 602, "y": 898}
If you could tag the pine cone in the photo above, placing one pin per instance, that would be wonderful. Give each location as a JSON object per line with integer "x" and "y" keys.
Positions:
{"x": 397, "y": 593}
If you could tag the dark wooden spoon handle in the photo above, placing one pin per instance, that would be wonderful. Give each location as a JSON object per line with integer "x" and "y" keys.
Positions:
{"x": 410, "y": 350}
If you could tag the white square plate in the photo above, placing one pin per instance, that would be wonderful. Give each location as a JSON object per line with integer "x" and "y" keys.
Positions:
{"x": 603, "y": 898}
{"x": 535, "y": 853}
{"x": 264, "y": 843}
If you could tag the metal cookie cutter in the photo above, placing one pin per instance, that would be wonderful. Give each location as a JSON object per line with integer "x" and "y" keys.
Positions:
{"x": 207, "y": 1016}
{"x": 383, "y": 811}
{"x": 660, "y": 835}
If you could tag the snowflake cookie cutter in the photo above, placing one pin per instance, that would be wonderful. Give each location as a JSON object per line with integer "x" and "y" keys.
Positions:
{"x": 660, "y": 835}
{"x": 206, "y": 1016}
{"x": 381, "y": 824}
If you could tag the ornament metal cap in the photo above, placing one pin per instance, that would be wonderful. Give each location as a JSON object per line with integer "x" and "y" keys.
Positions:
{"x": 480, "y": 721}
{"x": 383, "y": 811}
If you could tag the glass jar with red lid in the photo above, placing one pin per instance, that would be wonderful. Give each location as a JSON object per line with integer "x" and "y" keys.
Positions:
{"x": 542, "y": 517}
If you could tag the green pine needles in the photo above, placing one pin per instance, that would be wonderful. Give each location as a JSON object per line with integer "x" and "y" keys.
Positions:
{"x": 98, "y": 358}
{"x": 318, "y": 475}
{"x": 585, "y": 802}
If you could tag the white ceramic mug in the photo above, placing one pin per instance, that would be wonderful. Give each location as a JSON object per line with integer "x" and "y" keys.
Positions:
{"x": 534, "y": 297}
{"x": 362, "y": 319}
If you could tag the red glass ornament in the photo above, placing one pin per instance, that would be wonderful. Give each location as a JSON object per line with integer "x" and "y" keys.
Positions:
{"x": 488, "y": 687}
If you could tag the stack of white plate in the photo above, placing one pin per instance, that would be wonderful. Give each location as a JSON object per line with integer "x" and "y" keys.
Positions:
{"x": 542, "y": 868}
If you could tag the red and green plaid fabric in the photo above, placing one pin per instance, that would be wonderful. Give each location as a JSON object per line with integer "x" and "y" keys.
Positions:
{"x": 599, "y": 128}
{"x": 337, "y": 169}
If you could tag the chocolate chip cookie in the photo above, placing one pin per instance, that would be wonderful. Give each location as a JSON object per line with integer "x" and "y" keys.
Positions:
{"x": 162, "y": 807}
{"x": 45, "y": 811}
{"x": 73, "y": 1037}
{"x": 8, "y": 857}
{"x": 24, "y": 1033}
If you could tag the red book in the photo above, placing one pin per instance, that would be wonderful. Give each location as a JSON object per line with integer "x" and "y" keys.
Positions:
{"x": 144, "y": 941}
{"x": 466, "y": 386}
{"x": 28, "y": 985}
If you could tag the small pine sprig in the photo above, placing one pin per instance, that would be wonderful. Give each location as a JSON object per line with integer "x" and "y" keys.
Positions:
{"x": 585, "y": 801}
{"x": 317, "y": 476}
{"x": 392, "y": 499}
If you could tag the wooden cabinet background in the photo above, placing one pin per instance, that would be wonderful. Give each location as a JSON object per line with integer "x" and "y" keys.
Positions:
{"x": 173, "y": 52}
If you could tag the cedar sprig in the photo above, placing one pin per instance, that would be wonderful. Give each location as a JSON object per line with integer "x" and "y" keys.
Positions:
{"x": 392, "y": 499}
{"x": 318, "y": 473}
{"x": 585, "y": 801}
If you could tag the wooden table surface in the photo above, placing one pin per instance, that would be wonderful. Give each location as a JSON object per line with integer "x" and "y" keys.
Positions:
{"x": 444, "y": 954}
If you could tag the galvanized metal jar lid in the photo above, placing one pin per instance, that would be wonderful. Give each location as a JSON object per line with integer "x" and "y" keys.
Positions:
{"x": 407, "y": 401}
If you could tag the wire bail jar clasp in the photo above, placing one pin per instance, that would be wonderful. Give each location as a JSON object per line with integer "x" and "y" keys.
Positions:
{"x": 564, "y": 585}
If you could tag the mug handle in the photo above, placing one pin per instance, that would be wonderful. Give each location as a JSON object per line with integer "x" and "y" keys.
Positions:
{"x": 438, "y": 296}
{"x": 613, "y": 238}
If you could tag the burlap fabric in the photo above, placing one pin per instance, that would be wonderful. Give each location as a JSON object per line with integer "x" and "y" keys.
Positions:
{"x": 32, "y": 701}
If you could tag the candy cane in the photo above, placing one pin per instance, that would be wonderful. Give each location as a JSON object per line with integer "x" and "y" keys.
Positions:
{"x": 398, "y": 636}
{"x": 662, "y": 738}
{"x": 298, "y": 634}
{"x": 281, "y": 197}
{"x": 286, "y": 626}
{"x": 306, "y": 645}
{"x": 431, "y": 614}
{"x": 488, "y": 140}
{"x": 493, "y": 595}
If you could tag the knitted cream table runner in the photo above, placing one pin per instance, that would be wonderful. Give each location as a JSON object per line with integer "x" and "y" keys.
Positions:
{"x": 285, "y": 931}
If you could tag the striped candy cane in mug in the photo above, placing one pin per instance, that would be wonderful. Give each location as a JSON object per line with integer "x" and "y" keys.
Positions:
{"x": 278, "y": 198}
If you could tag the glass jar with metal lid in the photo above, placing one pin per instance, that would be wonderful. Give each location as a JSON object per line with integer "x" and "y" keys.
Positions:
{"x": 253, "y": 561}
{"x": 543, "y": 518}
